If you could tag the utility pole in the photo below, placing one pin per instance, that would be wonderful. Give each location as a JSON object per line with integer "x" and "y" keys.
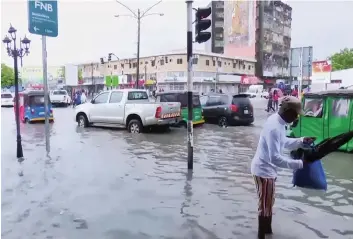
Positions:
{"x": 145, "y": 74}
{"x": 138, "y": 48}
{"x": 190, "y": 134}
{"x": 93, "y": 84}
{"x": 138, "y": 16}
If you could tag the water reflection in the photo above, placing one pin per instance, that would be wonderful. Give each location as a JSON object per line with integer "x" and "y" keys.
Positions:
{"x": 137, "y": 186}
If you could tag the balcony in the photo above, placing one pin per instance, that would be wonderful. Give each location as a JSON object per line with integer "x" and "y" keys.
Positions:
{"x": 219, "y": 24}
{"x": 220, "y": 15}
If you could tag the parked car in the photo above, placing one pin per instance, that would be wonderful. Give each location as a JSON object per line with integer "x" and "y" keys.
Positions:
{"x": 60, "y": 97}
{"x": 7, "y": 100}
{"x": 228, "y": 109}
{"x": 130, "y": 108}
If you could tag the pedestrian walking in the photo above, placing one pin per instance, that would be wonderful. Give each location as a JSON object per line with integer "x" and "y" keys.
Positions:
{"x": 275, "y": 100}
{"x": 270, "y": 101}
{"x": 268, "y": 157}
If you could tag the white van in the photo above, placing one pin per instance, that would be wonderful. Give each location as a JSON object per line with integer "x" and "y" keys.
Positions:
{"x": 255, "y": 91}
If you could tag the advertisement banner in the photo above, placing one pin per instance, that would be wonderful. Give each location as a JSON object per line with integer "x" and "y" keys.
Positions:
{"x": 321, "y": 72}
{"x": 33, "y": 75}
{"x": 239, "y": 28}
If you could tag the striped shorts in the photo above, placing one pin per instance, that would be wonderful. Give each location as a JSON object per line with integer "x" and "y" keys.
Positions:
{"x": 265, "y": 188}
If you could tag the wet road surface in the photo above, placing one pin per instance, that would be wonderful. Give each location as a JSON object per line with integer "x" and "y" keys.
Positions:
{"x": 106, "y": 183}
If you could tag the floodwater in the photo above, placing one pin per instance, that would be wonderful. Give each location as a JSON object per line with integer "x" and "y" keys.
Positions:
{"x": 106, "y": 183}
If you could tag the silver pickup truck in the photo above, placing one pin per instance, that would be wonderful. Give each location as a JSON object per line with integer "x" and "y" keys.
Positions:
{"x": 130, "y": 108}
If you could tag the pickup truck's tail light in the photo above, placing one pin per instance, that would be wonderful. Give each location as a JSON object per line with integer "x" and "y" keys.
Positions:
{"x": 51, "y": 111}
{"x": 32, "y": 111}
{"x": 234, "y": 108}
{"x": 158, "y": 112}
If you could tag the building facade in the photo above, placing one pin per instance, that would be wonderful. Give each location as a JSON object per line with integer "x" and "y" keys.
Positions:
{"x": 276, "y": 40}
{"x": 216, "y": 43}
{"x": 169, "y": 71}
{"x": 254, "y": 29}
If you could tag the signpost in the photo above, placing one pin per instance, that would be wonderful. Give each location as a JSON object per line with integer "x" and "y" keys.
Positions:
{"x": 43, "y": 20}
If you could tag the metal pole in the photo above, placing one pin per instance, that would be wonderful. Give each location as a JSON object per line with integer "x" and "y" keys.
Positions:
{"x": 92, "y": 81}
{"x": 46, "y": 96}
{"x": 145, "y": 75}
{"x": 138, "y": 48}
{"x": 18, "y": 130}
{"x": 190, "y": 85}
{"x": 300, "y": 80}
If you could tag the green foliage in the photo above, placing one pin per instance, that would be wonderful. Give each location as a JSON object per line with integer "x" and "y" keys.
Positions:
{"x": 342, "y": 60}
{"x": 7, "y": 76}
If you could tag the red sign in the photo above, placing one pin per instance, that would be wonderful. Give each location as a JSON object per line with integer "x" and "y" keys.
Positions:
{"x": 249, "y": 80}
{"x": 321, "y": 67}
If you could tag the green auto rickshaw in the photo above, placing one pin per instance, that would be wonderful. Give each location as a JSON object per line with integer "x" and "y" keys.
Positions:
{"x": 326, "y": 114}
{"x": 182, "y": 97}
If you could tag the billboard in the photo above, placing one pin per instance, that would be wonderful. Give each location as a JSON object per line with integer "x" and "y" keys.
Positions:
{"x": 239, "y": 28}
{"x": 33, "y": 75}
{"x": 321, "y": 72}
{"x": 300, "y": 63}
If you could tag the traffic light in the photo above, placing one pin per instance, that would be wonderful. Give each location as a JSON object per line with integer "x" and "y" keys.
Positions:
{"x": 202, "y": 24}
{"x": 109, "y": 56}
{"x": 102, "y": 60}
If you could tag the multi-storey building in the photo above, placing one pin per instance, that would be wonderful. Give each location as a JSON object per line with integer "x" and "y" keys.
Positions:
{"x": 216, "y": 43}
{"x": 259, "y": 29}
{"x": 277, "y": 18}
{"x": 169, "y": 71}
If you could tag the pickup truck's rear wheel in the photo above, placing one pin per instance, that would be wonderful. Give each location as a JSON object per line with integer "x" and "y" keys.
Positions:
{"x": 134, "y": 126}
{"x": 82, "y": 121}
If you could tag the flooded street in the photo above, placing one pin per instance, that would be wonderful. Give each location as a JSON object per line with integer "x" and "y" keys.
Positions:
{"x": 106, "y": 183}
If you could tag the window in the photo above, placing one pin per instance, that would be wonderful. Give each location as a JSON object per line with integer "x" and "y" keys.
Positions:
{"x": 137, "y": 95}
{"x": 129, "y": 65}
{"x": 224, "y": 100}
{"x": 153, "y": 63}
{"x": 162, "y": 62}
{"x": 313, "y": 108}
{"x": 249, "y": 67}
{"x": 6, "y": 96}
{"x": 340, "y": 107}
{"x": 213, "y": 101}
{"x": 234, "y": 65}
{"x": 102, "y": 98}
{"x": 116, "y": 97}
{"x": 59, "y": 92}
{"x": 244, "y": 67}
{"x": 115, "y": 67}
{"x": 207, "y": 62}
{"x": 214, "y": 63}
{"x": 219, "y": 63}
{"x": 36, "y": 100}
{"x": 195, "y": 61}
{"x": 134, "y": 65}
{"x": 179, "y": 61}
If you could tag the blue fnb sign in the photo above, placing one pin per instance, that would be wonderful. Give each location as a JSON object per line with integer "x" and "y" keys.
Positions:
{"x": 43, "y": 17}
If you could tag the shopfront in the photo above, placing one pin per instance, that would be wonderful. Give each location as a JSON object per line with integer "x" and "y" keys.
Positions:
{"x": 246, "y": 81}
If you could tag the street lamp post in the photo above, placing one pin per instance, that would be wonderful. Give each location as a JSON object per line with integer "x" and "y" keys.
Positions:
{"x": 138, "y": 16}
{"x": 15, "y": 52}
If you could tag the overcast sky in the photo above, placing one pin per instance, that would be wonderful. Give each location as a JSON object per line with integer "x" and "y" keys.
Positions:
{"x": 88, "y": 30}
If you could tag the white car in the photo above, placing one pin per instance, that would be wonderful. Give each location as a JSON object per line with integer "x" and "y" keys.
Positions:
{"x": 60, "y": 97}
{"x": 7, "y": 100}
{"x": 130, "y": 108}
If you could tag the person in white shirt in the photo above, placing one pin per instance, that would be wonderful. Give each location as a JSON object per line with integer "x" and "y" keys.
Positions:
{"x": 269, "y": 156}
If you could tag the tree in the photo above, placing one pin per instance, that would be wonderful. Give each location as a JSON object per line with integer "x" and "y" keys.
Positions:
{"x": 342, "y": 60}
{"x": 7, "y": 76}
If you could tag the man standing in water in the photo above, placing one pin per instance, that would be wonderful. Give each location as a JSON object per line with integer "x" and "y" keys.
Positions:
{"x": 268, "y": 157}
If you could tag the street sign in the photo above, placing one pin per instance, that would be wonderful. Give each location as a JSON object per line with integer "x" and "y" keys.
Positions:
{"x": 43, "y": 17}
